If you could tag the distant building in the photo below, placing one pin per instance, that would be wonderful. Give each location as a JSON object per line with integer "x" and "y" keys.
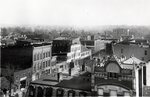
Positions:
{"x": 78, "y": 52}
{"x": 128, "y": 49}
{"x": 61, "y": 46}
{"x": 95, "y": 45}
{"x": 117, "y": 32}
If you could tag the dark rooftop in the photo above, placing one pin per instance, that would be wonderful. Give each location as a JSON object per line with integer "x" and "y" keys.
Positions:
{"x": 81, "y": 82}
{"x": 123, "y": 83}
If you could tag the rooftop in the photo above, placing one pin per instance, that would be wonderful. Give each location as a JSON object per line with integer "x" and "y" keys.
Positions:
{"x": 81, "y": 82}
{"x": 61, "y": 38}
{"x": 133, "y": 60}
{"x": 126, "y": 84}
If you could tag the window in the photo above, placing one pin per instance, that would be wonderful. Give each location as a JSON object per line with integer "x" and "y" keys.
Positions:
{"x": 34, "y": 68}
{"x": 37, "y": 57}
{"x": 31, "y": 91}
{"x": 145, "y": 52}
{"x": 112, "y": 75}
{"x": 49, "y": 62}
{"x": 34, "y": 57}
{"x": 40, "y": 92}
{"x": 38, "y": 66}
{"x": 46, "y": 54}
{"x": 144, "y": 75}
{"x": 41, "y": 56}
{"x": 49, "y": 92}
{"x": 43, "y": 64}
{"x": 121, "y": 50}
{"x": 49, "y": 53}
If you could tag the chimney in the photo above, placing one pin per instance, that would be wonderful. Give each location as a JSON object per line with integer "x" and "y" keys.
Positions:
{"x": 58, "y": 77}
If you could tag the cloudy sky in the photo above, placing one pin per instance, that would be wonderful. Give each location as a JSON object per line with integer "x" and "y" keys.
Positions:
{"x": 75, "y": 12}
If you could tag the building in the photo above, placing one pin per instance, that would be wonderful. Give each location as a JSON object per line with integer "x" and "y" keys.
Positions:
{"x": 61, "y": 86}
{"x": 72, "y": 53}
{"x": 61, "y": 46}
{"x": 112, "y": 79}
{"x": 146, "y": 75}
{"x": 41, "y": 60}
{"x": 128, "y": 49}
{"x": 139, "y": 72}
{"x": 95, "y": 45}
{"x": 117, "y": 32}
{"x": 78, "y": 52}
{"x": 25, "y": 61}
{"x": 22, "y": 78}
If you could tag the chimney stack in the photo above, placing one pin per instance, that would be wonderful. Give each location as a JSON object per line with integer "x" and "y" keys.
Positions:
{"x": 58, "y": 77}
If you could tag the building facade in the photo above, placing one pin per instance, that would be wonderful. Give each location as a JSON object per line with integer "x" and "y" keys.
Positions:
{"x": 110, "y": 79}
{"x": 95, "y": 45}
{"x": 41, "y": 61}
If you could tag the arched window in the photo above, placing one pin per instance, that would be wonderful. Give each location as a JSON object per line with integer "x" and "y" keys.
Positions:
{"x": 39, "y": 92}
{"x": 113, "y": 67}
{"x": 31, "y": 91}
{"x": 49, "y": 92}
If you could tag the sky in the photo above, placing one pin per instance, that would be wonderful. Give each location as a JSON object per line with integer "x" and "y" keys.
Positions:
{"x": 75, "y": 12}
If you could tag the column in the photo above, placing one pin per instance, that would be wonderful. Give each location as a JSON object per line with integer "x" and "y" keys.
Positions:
{"x": 44, "y": 92}
{"x": 137, "y": 82}
{"x": 36, "y": 90}
{"x": 54, "y": 92}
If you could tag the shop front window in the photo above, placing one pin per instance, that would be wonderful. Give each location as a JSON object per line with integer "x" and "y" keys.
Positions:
{"x": 49, "y": 92}
{"x": 40, "y": 92}
{"x": 31, "y": 91}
